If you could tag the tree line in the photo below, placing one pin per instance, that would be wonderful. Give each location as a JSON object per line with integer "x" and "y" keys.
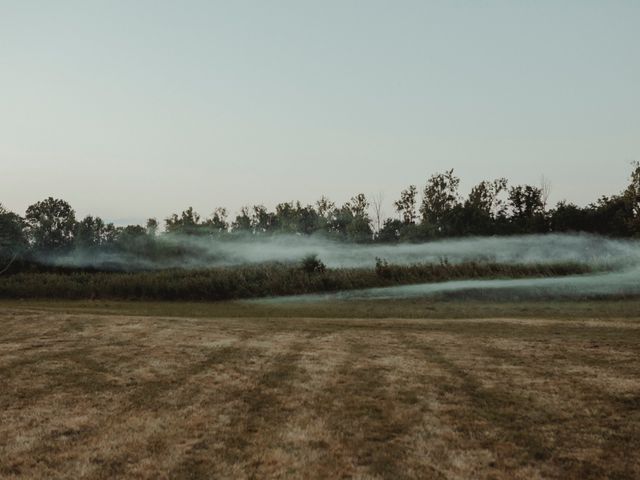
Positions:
{"x": 491, "y": 208}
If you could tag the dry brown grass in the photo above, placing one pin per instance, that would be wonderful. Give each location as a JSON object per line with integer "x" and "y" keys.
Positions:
{"x": 110, "y": 395}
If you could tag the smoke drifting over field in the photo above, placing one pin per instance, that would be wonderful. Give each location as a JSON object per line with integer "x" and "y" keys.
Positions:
{"x": 614, "y": 284}
{"x": 621, "y": 259}
{"x": 195, "y": 252}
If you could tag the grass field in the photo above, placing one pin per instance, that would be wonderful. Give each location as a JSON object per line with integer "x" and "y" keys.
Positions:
{"x": 235, "y": 390}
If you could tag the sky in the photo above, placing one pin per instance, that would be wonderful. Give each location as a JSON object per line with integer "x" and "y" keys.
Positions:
{"x": 137, "y": 109}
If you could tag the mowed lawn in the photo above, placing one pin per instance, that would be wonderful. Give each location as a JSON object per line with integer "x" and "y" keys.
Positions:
{"x": 111, "y": 395}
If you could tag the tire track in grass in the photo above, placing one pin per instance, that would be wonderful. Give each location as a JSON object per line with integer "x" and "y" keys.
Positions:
{"x": 150, "y": 394}
{"x": 145, "y": 399}
{"x": 434, "y": 448}
{"x": 66, "y": 369}
{"x": 124, "y": 419}
{"x": 612, "y": 419}
{"x": 500, "y": 421}
{"x": 261, "y": 409}
{"x": 304, "y": 443}
{"x": 154, "y": 396}
{"x": 368, "y": 423}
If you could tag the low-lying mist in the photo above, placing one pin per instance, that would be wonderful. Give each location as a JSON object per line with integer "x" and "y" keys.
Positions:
{"x": 198, "y": 252}
{"x": 616, "y": 263}
{"x": 625, "y": 283}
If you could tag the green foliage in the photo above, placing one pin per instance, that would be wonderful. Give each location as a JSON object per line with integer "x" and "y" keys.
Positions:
{"x": 188, "y": 222}
{"x": 152, "y": 227}
{"x": 312, "y": 264}
{"x": 632, "y": 199}
{"x": 51, "y": 224}
{"x": 406, "y": 205}
{"x": 12, "y": 236}
{"x": 91, "y": 232}
{"x": 439, "y": 198}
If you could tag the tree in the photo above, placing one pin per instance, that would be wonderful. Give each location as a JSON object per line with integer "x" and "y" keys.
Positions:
{"x": 525, "y": 201}
{"x": 51, "y": 223}
{"x": 134, "y": 239}
{"x": 188, "y": 222}
{"x": 291, "y": 217}
{"x": 545, "y": 188}
{"x": 325, "y": 209}
{"x": 89, "y": 232}
{"x": 376, "y": 202}
{"x": 611, "y": 216}
{"x": 568, "y": 217}
{"x": 242, "y": 222}
{"x": 340, "y": 219}
{"x": 632, "y": 197}
{"x": 218, "y": 221}
{"x": 527, "y": 209}
{"x": 359, "y": 228}
{"x": 12, "y": 237}
{"x": 308, "y": 220}
{"x": 359, "y": 205}
{"x": 152, "y": 227}
{"x": 406, "y": 206}
{"x": 485, "y": 196}
{"x": 390, "y": 231}
{"x": 351, "y": 220}
{"x": 262, "y": 220}
{"x": 286, "y": 217}
{"x": 439, "y": 198}
{"x": 109, "y": 234}
{"x": 482, "y": 210}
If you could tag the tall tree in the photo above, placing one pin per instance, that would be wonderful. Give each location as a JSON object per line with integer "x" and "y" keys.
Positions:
{"x": 406, "y": 205}
{"x": 89, "y": 232}
{"x": 527, "y": 209}
{"x": 632, "y": 196}
{"x": 242, "y": 222}
{"x": 12, "y": 236}
{"x": 218, "y": 221}
{"x": 568, "y": 217}
{"x": 376, "y": 202}
{"x": 51, "y": 223}
{"x": 286, "y": 217}
{"x": 152, "y": 227}
{"x": 485, "y": 197}
{"x": 545, "y": 188}
{"x": 525, "y": 201}
{"x": 439, "y": 199}
{"x": 359, "y": 226}
{"x": 308, "y": 220}
{"x": 325, "y": 209}
{"x": 188, "y": 222}
{"x": 391, "y": 230}
{"x": 262, "y": 220}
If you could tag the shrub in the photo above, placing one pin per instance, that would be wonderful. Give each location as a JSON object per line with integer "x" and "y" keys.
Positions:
{"x": 383, "y": 269}
{"x": 312, "y": 264}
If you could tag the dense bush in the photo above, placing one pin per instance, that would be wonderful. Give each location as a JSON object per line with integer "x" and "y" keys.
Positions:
{"x": 312, "y": 264}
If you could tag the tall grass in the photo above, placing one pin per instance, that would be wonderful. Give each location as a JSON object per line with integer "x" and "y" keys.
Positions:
{"x": 253, "y": 281}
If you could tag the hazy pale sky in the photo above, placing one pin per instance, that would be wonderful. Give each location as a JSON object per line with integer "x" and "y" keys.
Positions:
{"x": 130, "y": 109}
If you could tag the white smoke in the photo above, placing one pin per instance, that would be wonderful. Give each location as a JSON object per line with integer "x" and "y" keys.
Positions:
{"x": 201, "y": 252}
{"x": 611, "y": 284}
{"x": 616, "y": 263}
